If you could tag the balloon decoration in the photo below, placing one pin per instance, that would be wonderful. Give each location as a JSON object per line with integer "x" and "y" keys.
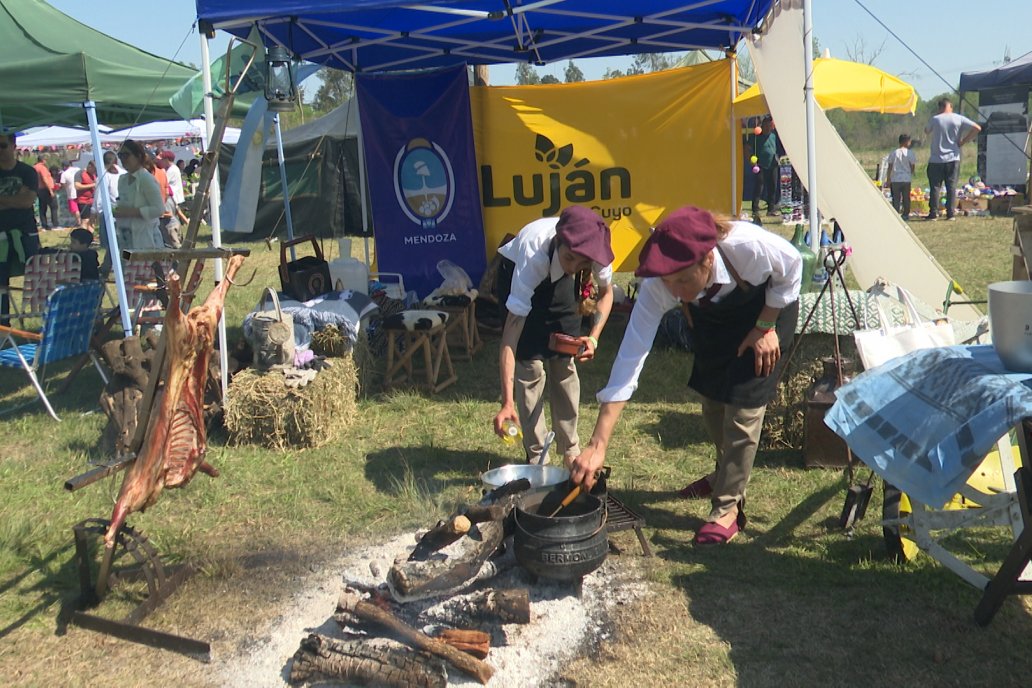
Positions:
{"x": 755, "y": 169}
{"x": 758, "y": 130}
{"x": 754, "y": 160}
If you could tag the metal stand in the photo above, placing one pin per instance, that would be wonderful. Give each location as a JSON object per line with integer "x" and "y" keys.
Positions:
{"x": 145, "y": 566}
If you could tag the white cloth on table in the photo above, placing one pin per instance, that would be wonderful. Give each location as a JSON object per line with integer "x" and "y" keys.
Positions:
{"x": 345, "y": 309}
{"x": 925, "y": 421}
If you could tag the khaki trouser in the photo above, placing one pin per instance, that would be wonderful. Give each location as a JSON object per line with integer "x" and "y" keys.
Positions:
{"x": 736, "y": 433}
{"x": 559, "y": 374}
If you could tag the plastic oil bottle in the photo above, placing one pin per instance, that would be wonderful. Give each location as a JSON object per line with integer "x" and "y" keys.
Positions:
{"x": 513, "y": 433}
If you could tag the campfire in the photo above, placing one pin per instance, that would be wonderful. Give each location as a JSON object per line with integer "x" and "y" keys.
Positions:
{"x": 470, "y": 590}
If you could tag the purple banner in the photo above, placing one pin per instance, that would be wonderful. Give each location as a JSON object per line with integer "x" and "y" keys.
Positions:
{"x": 417, "y": 134}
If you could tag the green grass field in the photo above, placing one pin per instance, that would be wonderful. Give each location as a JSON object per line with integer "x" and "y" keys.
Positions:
{"x": 793, "y": 602}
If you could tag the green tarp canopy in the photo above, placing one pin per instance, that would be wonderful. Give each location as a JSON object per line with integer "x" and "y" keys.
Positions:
{"x": 50, "y": 64}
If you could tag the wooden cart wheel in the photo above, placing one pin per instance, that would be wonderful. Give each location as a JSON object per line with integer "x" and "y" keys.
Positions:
{"x": 895, "y": 505}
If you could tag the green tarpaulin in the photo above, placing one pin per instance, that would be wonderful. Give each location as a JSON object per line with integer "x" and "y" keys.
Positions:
{"x": 50, "y": 64}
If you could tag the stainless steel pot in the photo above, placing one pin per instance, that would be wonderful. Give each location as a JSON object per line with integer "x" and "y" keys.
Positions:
{"x": 539, "y": 476}
{"x": 1010, "y": 322}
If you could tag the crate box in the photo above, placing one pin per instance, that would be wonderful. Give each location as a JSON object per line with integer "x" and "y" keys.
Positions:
{"x": 1001, "y": 205}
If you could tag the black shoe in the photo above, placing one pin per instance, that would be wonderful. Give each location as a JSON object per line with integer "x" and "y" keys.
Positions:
{"x": 931, "y": 218}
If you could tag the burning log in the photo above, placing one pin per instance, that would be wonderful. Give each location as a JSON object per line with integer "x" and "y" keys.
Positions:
{"x": 474, "y": 643}
{"x": 413, "y": 580}
{"x": 506, "y": 606}
{"x": 175, "y": 442}
{"x": 320, "y": 658}
{"x": 351, "y": 603}
{"x": 440, "y": 536}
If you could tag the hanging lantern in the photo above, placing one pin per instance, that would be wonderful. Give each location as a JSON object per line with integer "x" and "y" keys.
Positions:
{"x": 280, "y": 89}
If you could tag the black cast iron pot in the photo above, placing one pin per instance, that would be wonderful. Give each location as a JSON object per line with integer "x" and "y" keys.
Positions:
{"x": 564, "y": 547}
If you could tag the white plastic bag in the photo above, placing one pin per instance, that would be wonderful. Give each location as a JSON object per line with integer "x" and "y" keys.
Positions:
{"x": 456, "y": 280}
{"x": 880, "y": 345}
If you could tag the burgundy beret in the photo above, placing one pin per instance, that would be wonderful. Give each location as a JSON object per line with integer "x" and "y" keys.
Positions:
{"x": 681, "y": 240}
{"x": 586, "y": 234}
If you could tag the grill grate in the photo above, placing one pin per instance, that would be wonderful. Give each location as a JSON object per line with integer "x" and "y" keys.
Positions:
{"x": 621, "y": 518}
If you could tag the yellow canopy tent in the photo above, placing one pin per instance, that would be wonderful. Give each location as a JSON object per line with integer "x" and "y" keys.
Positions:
{"x": 846, "y": 85}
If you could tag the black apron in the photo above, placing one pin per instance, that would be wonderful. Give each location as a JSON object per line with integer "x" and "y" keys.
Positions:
{"x": 719, "y": 373}
{"x": 553, "y": 308}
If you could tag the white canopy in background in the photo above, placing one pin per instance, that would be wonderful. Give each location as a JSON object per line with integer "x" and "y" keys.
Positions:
{"x": 160, "y": 131}
{"x": 152, "y": 131}
{"x": 56, "y": 136}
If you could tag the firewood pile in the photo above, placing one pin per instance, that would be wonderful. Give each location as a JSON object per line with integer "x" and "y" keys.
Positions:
{"x": 429, "y": 615}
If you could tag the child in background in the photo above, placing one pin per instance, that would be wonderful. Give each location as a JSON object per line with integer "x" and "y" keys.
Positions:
{"x": 902, "y": 163}
{"x": 79, "y": 242}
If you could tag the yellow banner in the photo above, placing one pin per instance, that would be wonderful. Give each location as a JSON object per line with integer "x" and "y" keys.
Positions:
{"x": 630, "y": 149}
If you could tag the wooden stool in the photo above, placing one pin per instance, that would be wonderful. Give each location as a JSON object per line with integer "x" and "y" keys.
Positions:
{"x": 462, "y": 329}
{"x": 432, "y": 343}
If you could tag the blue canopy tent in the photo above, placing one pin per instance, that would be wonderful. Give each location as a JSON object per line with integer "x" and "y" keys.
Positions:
{"x": 379, "y": 35}
{"x": 387, "y": 35}
{"x": 1015, "y": 73}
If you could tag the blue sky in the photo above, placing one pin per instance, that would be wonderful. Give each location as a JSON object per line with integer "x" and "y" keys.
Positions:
{"x": 953, "y": 36}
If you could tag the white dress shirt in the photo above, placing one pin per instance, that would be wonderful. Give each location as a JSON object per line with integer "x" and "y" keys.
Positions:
{"x": 175, "y": 183}
{"x": 110, "y": 180}
{"x": 756, "y": 254}
{"x": 529, "y": 251}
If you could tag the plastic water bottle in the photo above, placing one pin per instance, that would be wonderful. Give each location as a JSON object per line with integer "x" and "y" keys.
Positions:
{"x": 513, "y": 433}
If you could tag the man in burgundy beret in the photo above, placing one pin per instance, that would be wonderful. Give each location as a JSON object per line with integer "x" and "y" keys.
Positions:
{"x": 739, "y": 287}
{"x": 538, "y": 286}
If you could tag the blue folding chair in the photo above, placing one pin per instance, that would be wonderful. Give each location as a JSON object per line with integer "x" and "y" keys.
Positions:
{"x": 68, "y": 323}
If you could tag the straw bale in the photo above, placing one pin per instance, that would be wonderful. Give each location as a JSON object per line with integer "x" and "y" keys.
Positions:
{"x": 783, "y": 426}
{"x": 262, "y": 410}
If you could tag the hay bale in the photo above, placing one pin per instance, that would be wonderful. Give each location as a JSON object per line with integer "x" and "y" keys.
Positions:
{"x": 332, "y": 343}
{"x": 784, "y": 424}
{"x": 262, "y": 410}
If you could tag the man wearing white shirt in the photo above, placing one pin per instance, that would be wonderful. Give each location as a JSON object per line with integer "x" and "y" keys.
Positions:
{"x": 538, "y": 288}
{"x": 67, "y": 181}
{"x": 739, "y": 286}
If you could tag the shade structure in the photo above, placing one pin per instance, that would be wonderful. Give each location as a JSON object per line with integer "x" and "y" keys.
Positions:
{"x": 377, "y": 35}
{"x": 51, "y": 64}
{"x": 846, "y": 85}
{"x": 1015, "y": 73}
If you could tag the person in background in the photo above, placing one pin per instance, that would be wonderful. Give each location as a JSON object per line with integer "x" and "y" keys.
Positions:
{"x": 537, "y": 285}
{"x": 19, "y": 236}
{"x": 45, "y": 195}
{"x": 739, "y": 287}
{"x": 766, "y": 151}
{"x": 67, "y": 181}
{"x": 79, "y": 241}
{"x": 85, "y": 183}
{"x": 110, "y": 181}
{"x": 139, "y": 200}
{"x": 948, "y": 132}
{"x": 902, "y": 163}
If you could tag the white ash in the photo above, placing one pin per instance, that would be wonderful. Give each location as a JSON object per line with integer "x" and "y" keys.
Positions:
{"x": 562, "y": 624}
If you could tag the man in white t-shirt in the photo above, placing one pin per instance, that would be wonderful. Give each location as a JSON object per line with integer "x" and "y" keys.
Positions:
{"x": 902, "y": 163}
{"x": 167, "y": 161}
{"x": 67, "y": 180}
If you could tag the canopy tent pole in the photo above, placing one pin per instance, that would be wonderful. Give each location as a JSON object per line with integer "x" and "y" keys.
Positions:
{"x": 109, "y": 219}
{"x": 736, "y": 130}
{"x": 811, "y": 136}
{"x": 362, "y": 185}
{"x": 214, "y": 201}
{"x": 283, "y": 183}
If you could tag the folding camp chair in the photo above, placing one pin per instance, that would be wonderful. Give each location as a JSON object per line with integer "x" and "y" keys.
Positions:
{"x": 43, "y": 273}
{"x": 68, "y": 321}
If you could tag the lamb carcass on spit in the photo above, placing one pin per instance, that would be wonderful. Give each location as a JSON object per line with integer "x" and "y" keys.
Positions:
{"x": 175, "y": 442}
